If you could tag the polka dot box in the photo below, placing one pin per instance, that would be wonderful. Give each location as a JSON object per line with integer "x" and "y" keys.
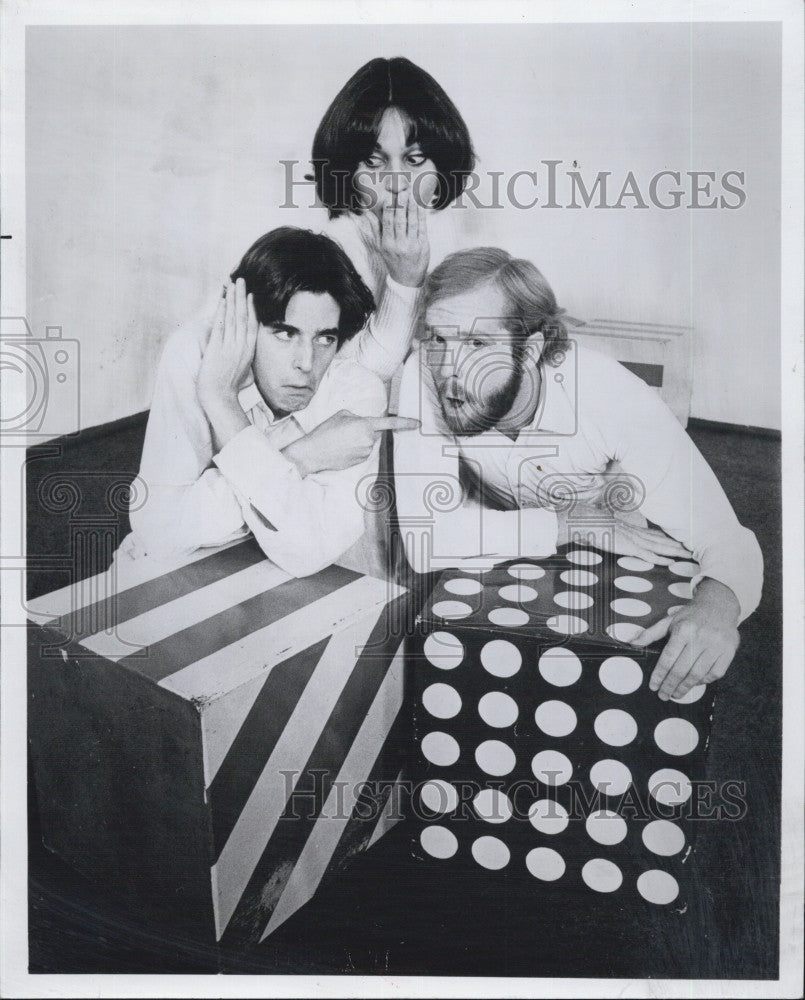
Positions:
{"x": 541, "y": 753}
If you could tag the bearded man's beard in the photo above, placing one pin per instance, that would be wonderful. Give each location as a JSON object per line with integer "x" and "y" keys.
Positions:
{"x": 472, "y": 418}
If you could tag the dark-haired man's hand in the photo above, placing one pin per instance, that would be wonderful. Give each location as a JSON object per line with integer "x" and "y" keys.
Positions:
{"x": 402, "y": 236}
{"x": 341, "y": 441}
{"x": 226, "y": 363}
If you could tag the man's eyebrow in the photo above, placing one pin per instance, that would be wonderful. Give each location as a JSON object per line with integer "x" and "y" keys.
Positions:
{"x": 327, "y": 332}
{"x": 285, "y": 327}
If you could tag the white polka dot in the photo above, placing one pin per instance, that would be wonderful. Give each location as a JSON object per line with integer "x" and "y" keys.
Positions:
{"x": 669, "y": 786}
{"x": 555, "y": 718}
{"x": 583, "y": 557}
{"x": 439, "y": 796}
{"x": 635, "y": 565}
{"x": 438, "y": 841}
{"x": 545, "y": 864}
{"x": 442, "y": 701}
{"x": 495, "y": 758}
{"x": 633, "y": 584}
{"x": 501, "y": 658}
{"x": 676, "y": 736}
{"x": 463, "y": 586}
{"x": 551, "y": 767}
{"x": 693, "y": 695}
{"x": 663, "y": 837}
{"x": 525, "y": 571}
{"x": 567, "y": 624}
{"x": 491, "y": 853}
{"x": 510, "y": 617}
{"x": 602, "y": 875}
{"x": 573, "y": 599}
{"x": 519, "y": 593}
{"x": 451, "y": 609}
{"x": 615, "y": 727}
{"x": 684, "y": 568}
{"x": 548, "y": 816}
{"x": 560, "y": 666}
{"x": 681, "y": 589}
{"x": 624, "y": 631}
{"x": 658, "y": 887}
{"x": 492, "y": 805}
{"x": 620, "y": 674}
{"x": 630, "y": 606}
{"x": 498, "y": 709}
{"x": 606, "y": 827}
{"x": 440, "y": 748}
{"x": 578, "y": 578}
{"x": 444, "y": 650}
{"x": 610, "y": 777}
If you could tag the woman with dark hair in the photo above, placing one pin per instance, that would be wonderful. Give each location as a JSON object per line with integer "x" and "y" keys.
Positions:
{"x": 391, "y": 147}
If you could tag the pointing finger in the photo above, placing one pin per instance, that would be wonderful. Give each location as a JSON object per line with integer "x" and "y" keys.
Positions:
{"x": 394, "y": 424}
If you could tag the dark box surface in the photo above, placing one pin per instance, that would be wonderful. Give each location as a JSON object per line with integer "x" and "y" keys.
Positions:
{"x": 209, "y": 740}
{"x": 543, "y": 755}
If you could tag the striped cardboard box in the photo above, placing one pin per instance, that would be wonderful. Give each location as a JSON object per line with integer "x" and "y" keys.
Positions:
{"x": 208, "y": 741}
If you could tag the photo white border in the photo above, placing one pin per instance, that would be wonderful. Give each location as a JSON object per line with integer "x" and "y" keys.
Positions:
{"x": 14, "y": 17}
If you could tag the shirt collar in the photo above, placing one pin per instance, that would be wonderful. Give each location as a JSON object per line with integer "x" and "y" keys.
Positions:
{"x": 250, "y": 398}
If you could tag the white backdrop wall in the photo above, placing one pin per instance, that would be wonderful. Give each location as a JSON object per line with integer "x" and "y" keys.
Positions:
{"x": 153, "y": 163}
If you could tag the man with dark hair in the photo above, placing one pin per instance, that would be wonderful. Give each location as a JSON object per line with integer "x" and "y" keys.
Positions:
{"x": 514, "y": 418}
{"x": 247, "y": 411}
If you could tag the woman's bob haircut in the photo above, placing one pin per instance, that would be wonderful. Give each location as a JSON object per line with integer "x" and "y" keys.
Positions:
{"x": 349, "y": 129}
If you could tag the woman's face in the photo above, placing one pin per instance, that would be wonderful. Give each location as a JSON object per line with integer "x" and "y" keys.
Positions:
{"x": 395, "y": 170}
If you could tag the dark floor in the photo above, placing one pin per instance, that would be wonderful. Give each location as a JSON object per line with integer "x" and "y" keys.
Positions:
{"x": 391, "y": 915}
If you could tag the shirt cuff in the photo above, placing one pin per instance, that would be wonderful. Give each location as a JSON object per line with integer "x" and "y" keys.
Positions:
{"x": 409, "y": 292}
{"x": 255, "y": 468}
{"x": 738, "y": 564}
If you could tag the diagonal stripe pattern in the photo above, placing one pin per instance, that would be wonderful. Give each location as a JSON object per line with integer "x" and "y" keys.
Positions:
{"x": 295, "y": 686}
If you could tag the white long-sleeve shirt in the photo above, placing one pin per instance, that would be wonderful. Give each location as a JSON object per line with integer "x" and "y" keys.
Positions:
{"x": 592, "y": 413}
{"x": 385, "y": 341}
{"x": 199, "y": 498}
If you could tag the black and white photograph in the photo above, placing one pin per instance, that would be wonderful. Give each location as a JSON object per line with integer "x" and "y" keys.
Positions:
{"x": 402, "y": 465}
